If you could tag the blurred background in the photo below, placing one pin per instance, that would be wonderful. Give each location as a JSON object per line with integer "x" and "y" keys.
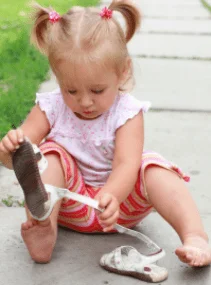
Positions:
{"x": 22, "y": 68}
{"x": 171, "y": 53}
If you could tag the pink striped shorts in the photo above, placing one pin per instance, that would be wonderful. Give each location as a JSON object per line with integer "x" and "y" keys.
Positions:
{"x": 82, "y": 218}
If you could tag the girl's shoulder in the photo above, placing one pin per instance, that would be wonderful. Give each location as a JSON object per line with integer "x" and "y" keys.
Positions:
{"x": 127, "y": 102}
{"x": 126, "y": 107}
{"x": 52, "y": 96}
{"x": 51, "y": 103}
{"x": 50, "y": 100}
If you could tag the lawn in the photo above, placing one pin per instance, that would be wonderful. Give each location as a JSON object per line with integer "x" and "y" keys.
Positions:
{"x": 206, "y": 5}
{"x": 22, "y": 68}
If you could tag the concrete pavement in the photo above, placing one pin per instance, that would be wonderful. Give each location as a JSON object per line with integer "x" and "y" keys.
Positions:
{"x": 176, "y": 84}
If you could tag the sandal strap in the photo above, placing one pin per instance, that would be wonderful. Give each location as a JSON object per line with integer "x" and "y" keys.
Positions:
{"x": 59, "y": 193}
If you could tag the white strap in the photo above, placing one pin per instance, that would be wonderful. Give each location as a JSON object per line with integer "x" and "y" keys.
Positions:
{"x": 60, "y": 193}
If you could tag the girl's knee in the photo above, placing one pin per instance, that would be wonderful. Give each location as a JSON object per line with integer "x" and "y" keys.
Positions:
{"x": 149, "y": 174}
{"x": 155, "y": 173}
{"x": 156, "y": 177}
{"x": 54, "y": 174}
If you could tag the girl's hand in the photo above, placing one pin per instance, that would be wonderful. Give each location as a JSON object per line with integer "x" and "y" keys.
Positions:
{"x": 110, "y": 215}
{"x": 8, "y": 145}
{"x": 11, "y": 141}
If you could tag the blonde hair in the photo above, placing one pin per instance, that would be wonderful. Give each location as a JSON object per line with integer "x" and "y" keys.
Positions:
{"x": 83, "y": 35}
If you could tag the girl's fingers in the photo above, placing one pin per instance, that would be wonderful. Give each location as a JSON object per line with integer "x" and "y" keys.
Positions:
{"x": 109, "y": 223}
{"x": 16, "y": 136}
{"x": 8, "y": 145}
{"x": 104, "y": 200}
{"x": 97, "y": 212}
{"x": 12, "y": 135}
{"x": 20, "y": 135}
{"x": 3, "y": 149}
{"x": 12, "y": 140}
{"x": 108, "y": 229}
{"x": 111, "y": 220}
{"x": 109, "y": 212}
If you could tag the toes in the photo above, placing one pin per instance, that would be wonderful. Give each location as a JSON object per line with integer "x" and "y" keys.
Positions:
{"x": 196, "y": 257}
{"x": 189, "y": 257}
{"x": 203, "y": 259}
{"x": 34, "y": 222}
{"x": 180, "y": 252}
{"x": 200, "y": 258}
{"x": 30, "y": 225}
{"x": 39, "y": 240}
{"x": 26, "y": 226}
{"x": 44, "y": 223}
{"x": 39, "y": 258}
{"x": 183, "y": 254}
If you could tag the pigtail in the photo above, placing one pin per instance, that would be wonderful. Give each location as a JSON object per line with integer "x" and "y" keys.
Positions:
{"x": 44, "y": 33}
{"x": 131, "y": 14}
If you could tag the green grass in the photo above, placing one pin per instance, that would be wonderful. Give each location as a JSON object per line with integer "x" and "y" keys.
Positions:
{"x": 11, "y": 201}
{"x": 22, "y": 68}
{"x": 206, "y": 5}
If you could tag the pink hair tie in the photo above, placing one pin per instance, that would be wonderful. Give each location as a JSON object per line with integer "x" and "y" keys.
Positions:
{"x": 106, "y": 13}
{"x": 54, "y": 17}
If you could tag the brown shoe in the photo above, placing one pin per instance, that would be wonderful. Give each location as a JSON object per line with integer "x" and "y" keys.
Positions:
{"x": 27, "y": 172}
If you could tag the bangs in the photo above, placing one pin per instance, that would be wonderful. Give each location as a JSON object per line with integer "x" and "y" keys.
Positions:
{"x": 104, "y": 57}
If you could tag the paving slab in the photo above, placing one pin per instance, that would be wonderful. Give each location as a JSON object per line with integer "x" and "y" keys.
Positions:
{"x": 165, "y": 52}
{"x": 173, "y": 26}
{"x": 181, "y": 137}
{"x": 171, "y": 9}
{"x": 173, "y": 46}
{"x": 178, "y": 2}
{"x": 169, "y": 84}
{"x": 185, "y": 139}
{"x": 174, "y": 84}
{"x": 9, "y": 186}
{"x": 75, "y": 260}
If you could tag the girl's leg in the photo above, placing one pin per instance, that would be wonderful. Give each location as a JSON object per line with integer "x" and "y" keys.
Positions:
{"x": 40, "y": 237}
{"x": 169, "y": 196}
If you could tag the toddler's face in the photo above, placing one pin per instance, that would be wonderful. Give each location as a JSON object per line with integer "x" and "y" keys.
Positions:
{"x": 88, "y": 92}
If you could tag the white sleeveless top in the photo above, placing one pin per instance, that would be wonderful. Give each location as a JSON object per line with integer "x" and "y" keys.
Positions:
{"x": 90, "y": 142}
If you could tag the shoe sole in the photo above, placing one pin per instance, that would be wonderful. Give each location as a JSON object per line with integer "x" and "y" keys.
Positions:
{"x": 27, "y": 172}
{"x": 147, "y": 277}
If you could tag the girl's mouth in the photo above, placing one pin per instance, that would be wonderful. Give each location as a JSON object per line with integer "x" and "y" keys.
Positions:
{"x": 87, "y": 112}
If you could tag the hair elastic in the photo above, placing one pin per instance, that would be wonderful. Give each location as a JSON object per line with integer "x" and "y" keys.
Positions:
{"x": 54, "y": 17}
{"x": 106, "y": 13}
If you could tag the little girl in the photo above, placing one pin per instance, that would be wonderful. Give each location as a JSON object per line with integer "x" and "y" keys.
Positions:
{"x": 94, "y": 136}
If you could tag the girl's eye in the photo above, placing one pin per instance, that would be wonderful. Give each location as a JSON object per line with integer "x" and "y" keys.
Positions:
{"x": 98, "y": 91}
{"x": 72, "y": 91}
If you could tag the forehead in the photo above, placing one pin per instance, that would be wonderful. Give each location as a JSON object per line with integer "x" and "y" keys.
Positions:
{"x": 86, "y": 74}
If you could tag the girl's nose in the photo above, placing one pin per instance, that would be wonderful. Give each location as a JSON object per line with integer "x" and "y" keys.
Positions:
{"x": 86, "y": 101}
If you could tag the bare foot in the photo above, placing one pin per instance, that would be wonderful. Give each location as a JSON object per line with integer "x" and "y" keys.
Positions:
{"x": 195, "y": 252}
{"x": 40, "y": 239}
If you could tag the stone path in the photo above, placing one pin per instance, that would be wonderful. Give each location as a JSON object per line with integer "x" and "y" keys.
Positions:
{"x": 173, "y": 32}
{"x": 172, "y": 55}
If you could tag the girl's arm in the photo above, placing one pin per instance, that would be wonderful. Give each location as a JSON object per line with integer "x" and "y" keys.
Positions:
{"x": 36, "y": 125}
{"x": 127, "y": 159}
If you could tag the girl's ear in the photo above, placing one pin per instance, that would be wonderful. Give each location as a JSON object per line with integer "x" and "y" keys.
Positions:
{"x": 127, "y": 64}
{"x": 126, "y": 70}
